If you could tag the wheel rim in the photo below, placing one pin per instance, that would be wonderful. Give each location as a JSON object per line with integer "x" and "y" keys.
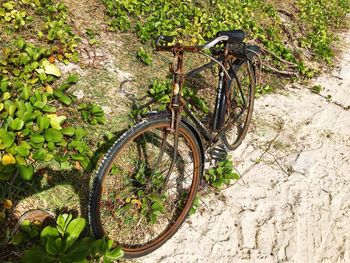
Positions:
{"x": 135, "y": 209}
{"x": 238, "y": 113}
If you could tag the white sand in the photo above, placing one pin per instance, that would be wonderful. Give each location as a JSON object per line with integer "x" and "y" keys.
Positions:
{"x": 294, "y": 204}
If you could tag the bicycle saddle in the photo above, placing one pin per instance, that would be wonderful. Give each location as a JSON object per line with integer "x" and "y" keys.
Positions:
{"x": 234, "y": 35}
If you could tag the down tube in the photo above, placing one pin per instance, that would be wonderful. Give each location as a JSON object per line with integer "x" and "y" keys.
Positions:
{"x": 219, "y": 115}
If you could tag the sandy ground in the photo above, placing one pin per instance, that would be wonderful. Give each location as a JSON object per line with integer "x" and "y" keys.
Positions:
{"x": 292, "y": 203}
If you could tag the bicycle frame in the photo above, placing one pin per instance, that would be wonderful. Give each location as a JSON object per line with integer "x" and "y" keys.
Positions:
{"x": 208, "y": 134}
{"x": 177, "y": 103}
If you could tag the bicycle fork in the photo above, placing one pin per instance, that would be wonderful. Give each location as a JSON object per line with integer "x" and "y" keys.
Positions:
{"x": 175, "y": 107}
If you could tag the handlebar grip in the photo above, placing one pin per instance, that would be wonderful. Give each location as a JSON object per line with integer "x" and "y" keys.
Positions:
{"x": 166, "y": 39}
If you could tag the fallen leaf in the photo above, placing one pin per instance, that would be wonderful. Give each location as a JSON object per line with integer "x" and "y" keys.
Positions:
{"x": 51, "y": 69}
{"x": 8, "y": 204}
{"x": 51, "y": 59}
{"x": 8, "y": 159}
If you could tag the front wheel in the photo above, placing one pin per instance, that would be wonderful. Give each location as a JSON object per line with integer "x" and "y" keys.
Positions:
{"x": 131, "y": 202}
{"x": 239, "y": 108}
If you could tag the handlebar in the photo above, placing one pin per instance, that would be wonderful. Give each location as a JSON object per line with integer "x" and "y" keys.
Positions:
{"x": 169, "y": 39}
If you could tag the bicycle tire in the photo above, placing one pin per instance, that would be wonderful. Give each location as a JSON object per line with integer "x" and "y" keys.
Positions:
{"x": 99, "y": 212}
{"x": 233, "y": 137}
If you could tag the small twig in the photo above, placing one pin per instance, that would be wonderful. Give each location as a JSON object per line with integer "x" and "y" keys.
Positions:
{"x": 122, "y": 84}
{"x": 333, "y": 102}
{"x": 291, "y": 64}
{"x": 285, "y": 12}
{"x": 283, "y": 72}
{"x": 337, "y": 77}
{"x": 280, "y": 166}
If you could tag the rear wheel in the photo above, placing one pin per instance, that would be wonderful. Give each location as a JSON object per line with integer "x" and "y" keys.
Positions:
{"x": 131, "y": 202}
{"x": 239, "y": 108}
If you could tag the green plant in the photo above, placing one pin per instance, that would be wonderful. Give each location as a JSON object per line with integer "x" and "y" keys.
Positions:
{"x": 92, "y": 36}
{"x": 62, "y": 243}
{"x": 317, "y": 89}
{"x": 148, "y": 202}
{"x": 263, "y": 89}
{"x": 195, "y": 21}
{"x": 160, "y": 91}
{"x": 35, "y": 128}
{"x": 144, "y": 56}
{"x": 195, "y": 205}
{"x": 222, "y": 174}
{"x": 92, "y": 113}
{"x": 320, "y": 17}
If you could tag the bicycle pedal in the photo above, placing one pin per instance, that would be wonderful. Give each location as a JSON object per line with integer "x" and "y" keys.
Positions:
{"x": 218, "y": 153}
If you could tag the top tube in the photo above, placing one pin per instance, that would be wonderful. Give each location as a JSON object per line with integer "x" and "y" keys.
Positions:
{"x": 193, "y": 49}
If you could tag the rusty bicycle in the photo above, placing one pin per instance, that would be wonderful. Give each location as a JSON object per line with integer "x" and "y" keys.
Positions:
{"x": 147, "y": 181}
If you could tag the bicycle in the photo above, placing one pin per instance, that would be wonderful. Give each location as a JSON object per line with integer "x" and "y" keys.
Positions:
{"x": 147, "y": 181}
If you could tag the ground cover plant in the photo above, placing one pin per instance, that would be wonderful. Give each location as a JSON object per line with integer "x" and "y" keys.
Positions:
{"x": 305, "y": 26}
{"x": 42, "y": 124}
{"x": 39, "y": 116}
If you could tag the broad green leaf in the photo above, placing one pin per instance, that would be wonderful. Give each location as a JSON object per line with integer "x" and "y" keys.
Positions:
{"x": 58, "y": 93}
{"x": 17, "y": 124}
{"x": 74, "y": 230}
{"x": 65, "y": 100}
{"x": 65, "y": 165}
{"x": 25, "y": 225}
{"x": 69, "y": 131}
{"x": 43, "y": 122}
{"x": 6, "y": 95}
{"x": 109, "y": 243}
{"x": 39, "y": 104}
{"x": 49, "y": 109}
{"x": 51, "y": 247}
{"x": 48, "y": 157}
{"x": 80, "y": 250}
{"x": 62, "y": 143}
{"x": 77, "y": 157}
{"x": 51, "y": 69}
{"x": 10, "y": 107}
{"x": 96, "y": 109}
{"x": 40, "y": 154}
{"x": 37, "y": 254}
{"x": 50, "y": 146}
{"x": 86, "y": 163}
{"x": 20, "y": 160}
{"x": 6, "y": 139}
{"x": 48, "y": 231}
{"x": 80, "y": 133}
{"x": 25, "y": 92}
{"x": 53, "y": 135}
{"x": 100, "y": 120}
{"x": 22, "y": 150}
{"x": 26, "y": 172}
{"x": 59, "y": 244}
{"x": 95, "y": 247}
{"x": 8, "y": 5}
{"x": 62, "y": 222}
{"x": 115, "y": 254}
{"x": 35, "y": 138}
{"x": 72, "y": 79}
{"x": 56, "y": 121}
